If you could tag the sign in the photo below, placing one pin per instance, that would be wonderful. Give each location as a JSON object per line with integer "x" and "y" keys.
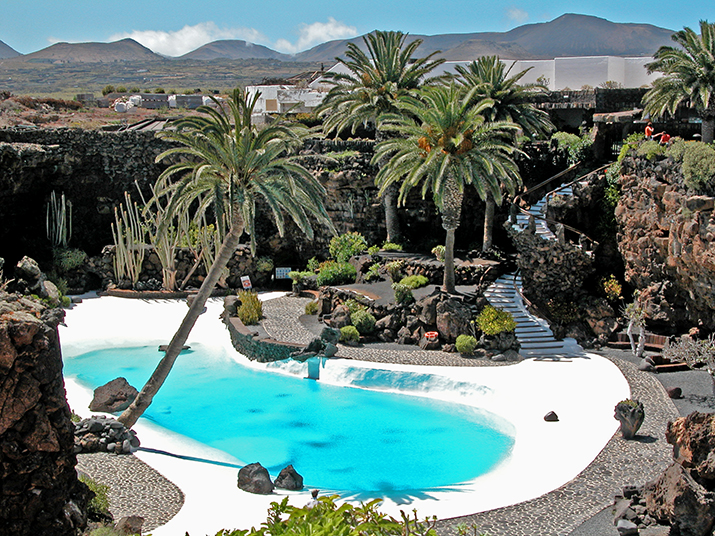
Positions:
{"x": 282, "y": 272}
{"x": 246, "y": 282}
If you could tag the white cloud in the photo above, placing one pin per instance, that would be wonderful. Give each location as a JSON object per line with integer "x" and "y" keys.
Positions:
{"x": 313, "y": 34}
{"x": 517, "y": 15}
{"x": 189, "y": 37}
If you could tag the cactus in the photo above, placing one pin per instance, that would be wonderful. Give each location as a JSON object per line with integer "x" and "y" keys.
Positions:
{"x": 59, "y": 221}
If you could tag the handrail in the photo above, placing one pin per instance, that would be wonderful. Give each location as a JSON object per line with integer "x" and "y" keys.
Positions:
{"x": 527, "y": 302}
{"x": 515, "y": 203}
{"x": 547, "y": 181}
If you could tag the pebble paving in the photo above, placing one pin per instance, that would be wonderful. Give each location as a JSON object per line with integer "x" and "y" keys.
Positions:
{"x": 135, "y": 488}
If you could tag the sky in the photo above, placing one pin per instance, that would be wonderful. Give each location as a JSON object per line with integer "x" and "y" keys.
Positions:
{"x": 175, "y": 27}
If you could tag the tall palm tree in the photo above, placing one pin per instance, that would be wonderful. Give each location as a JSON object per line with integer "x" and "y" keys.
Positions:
{"x": 689, "y": 77}
{"x": 445, "y": 145}
{"x": 369, "y": 91}
{"x": 490, "y": 77}
{"x": 228, "y": 162}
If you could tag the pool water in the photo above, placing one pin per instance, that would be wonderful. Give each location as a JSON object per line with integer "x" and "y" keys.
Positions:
{"x": 338, "y": 438}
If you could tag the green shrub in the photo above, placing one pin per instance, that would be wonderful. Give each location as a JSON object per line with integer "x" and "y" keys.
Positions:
{"x": 373, "y": 250}
{"x": 465, "y": 344}
{"x": 373, "y": 273}
{"x": 394, "y": 270}
{"x": 414, "y": 281}
{"x": 345, "y": 246}
{"x": 336, "y": 273}
{"x": 676, "y": 150}
{"x": 438, "y": 252}
{"x": 99, "y": 504}
{"x": 363, "y": 321}
{"x": 650, "y": 149}
{"x": 68, "y": 259}
{"x": 611, "y": 288}
{"x": 699, "y": 166}
{"x": 250, "y": 311}
{"x": 349, "y": 334}
{"x": 492, "y": 321}
{"x": 264, "y": 264}
{"x": 577, "y": 148}
{"x": 631, "y": 142}
{"x": 403, "y": 294}
{"x": 354, "y": 306}
{"x": 313, "y": 264}
{"x": 391, "y": 246}
{"x": 298, "y": 277}
{"x": 311, "y": 308}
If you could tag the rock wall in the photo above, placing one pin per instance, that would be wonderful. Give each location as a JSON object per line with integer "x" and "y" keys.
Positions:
{"x": 40, "y": 493}
{"x": 667, "y": 240}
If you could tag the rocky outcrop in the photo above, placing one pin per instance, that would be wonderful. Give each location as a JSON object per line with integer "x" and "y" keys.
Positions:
{"x": 40, "y": 492}
{"x": 289, "y": 479}
{"x": 667, "y": 240}
{"x": 254, "y": 478}
{"x": 104, "y": 434}
{"x": 113, "y": 396}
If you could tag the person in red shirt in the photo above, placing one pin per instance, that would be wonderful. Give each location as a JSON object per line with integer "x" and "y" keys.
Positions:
{"x": 664, "y": 138}
{"x": 649, "y": 131}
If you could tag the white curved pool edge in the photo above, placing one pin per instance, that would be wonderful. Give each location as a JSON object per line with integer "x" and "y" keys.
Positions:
{"x": 582, "y": 392}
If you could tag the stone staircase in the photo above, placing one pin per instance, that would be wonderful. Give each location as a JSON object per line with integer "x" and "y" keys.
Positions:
{"x": 536, "y": 338}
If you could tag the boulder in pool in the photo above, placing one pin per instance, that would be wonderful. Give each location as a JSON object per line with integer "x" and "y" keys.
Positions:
{"x": 289, "y": 479}
{"x": 113, "y": 396}
{"x": 254, "y": 478}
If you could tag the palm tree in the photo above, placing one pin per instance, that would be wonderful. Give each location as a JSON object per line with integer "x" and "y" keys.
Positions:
{"x": 689, "y": 77}
{"x": 490, "y": 77}
{"x": 445, "y": 145}
{"x": 230, "y": 164}
{"x": 369, "y": 91}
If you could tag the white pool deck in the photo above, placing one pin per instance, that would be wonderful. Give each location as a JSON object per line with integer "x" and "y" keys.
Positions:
{"x": 546, "y": 455}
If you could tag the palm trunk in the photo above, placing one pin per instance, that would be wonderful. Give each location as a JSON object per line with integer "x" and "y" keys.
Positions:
{"x": 489, "y": 207}
{"x": 392, "y": 222}
{"x": 137, "y": 408}
{"x": 448, "y": 281}
{"x": 707, "y": 129}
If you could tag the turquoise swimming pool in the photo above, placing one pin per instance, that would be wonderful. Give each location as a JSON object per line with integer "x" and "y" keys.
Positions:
{"x": 339, "y": 438}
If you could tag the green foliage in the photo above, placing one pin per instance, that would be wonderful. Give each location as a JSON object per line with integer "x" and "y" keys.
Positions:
{"x": 611, "y": 288}
{"x": 354, "y": 306}
{"x": 469, "y": 530}
{"x": 349, "y": 334}
{"x": 631, "y": 142}
{"x": 438, "y": 252}
{"x": 68, "y": 259}
{"x": 341, "y": 156}
{"x": 250, "y": 311}
{"x": 403, "y": 294}
{"x": 298, "y": 277}
{"x": 699, "y": 166}
{"x": 650, "y": 149}
{"x": 374, "y": 249}
{"x": 336, "y": 273}
{"x": 676, "y": 149}
{"x": 313, "y": 264}
{"x": 106, "y": 531}
{"x": 264, "y": 264}
{"x": 563, "y": 311}
{"x": 107, "y": 90}
{"x": 345, "y": 246}
{"x": 578, "y": 148}
{"x": 58, "y": 222}
{"x": 364, "y": 321}
{"x": 99, "y": 504}
{"x": 465, "y": 344}
{"x": 414, "y": 281}
{"x": 492, "y": 321}
{"x": 373, "y": 273}
{"x": 391, "y": 246}
{"x": 311, "y": 308}
{"x": 74, "y": 417}
{"x": 694, "y": 352}
{"x": 394, "y": 270}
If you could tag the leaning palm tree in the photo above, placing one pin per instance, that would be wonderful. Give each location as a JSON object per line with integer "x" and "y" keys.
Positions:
{"x": 689, "y": 77}
{"x": 231, "y": 164}
{"x": 445, "y": 145}
{"x": 369, "y": 90}
{"x": 490, "y": 77}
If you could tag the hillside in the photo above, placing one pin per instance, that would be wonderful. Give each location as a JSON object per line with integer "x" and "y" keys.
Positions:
{"x": 234, "y": 49}
{"x": 123, "y": 50}
{"x": 7, "y": 51}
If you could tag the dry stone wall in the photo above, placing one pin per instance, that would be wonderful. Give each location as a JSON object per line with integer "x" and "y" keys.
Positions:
{"x": 40, "y": 493}
{"x": 667, "y": 240}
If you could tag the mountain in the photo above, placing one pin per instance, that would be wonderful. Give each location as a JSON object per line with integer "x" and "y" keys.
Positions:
{"x": 7, "y": 51}
{"x": 568, "y": 35}
{"x": 234, "y": 49}
{"x": 123, "y": 50}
